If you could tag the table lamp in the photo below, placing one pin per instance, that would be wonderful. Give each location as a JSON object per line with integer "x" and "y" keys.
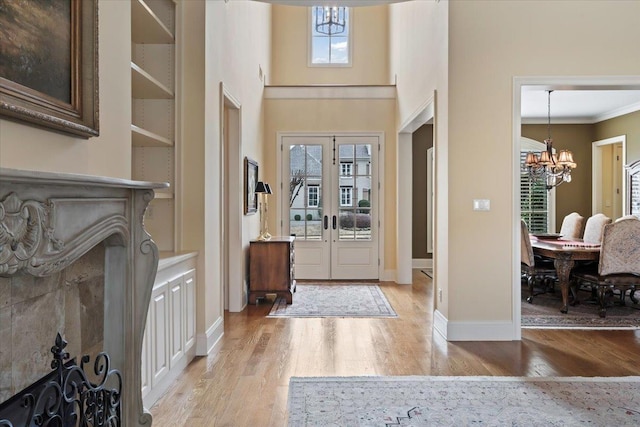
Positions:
{"x": 264, "y": 189}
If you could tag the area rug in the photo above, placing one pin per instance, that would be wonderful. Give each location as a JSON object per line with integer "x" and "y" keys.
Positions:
{"x": 332, "y": 300}
{"x": 463, "y": 401}
{"x": 545, "y": 313}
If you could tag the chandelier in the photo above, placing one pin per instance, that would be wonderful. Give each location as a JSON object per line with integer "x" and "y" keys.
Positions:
{"x": 330, "y": 20}
{"x": 546, "y": 167}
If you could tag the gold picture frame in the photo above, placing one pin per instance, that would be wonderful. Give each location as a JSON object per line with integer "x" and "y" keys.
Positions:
{"x": 49, "y": 65}
{"x": 250, "y": 181}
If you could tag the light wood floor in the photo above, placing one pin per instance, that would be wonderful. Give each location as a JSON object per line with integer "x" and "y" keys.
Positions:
{"x": 245, "y": 381}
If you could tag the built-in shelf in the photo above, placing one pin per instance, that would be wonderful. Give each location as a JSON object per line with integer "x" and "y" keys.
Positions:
{"x": 146, "y": 27}
{"x": 143, "y": 138}
{"x": 145, "y": 86}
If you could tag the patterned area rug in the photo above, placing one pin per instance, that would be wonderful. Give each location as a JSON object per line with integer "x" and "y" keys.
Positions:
{"x": 332, "y": 300}
{"x": 545, "y": 313}
{"x": 463, "y": 401}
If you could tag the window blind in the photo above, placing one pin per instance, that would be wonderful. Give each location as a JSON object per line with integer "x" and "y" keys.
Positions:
{"x": 534, "y": 202}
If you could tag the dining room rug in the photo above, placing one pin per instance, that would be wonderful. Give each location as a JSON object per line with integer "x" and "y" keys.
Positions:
{"x": 544, "y": 313}
{"x": 463, "y": 401}
{"x": 335, "y": 300}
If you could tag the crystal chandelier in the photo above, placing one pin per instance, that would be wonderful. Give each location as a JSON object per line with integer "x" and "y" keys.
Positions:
{"x": 330, "y": 20}
{"x": 546, "y": 167}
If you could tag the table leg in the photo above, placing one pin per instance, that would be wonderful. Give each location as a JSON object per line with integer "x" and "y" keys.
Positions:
{"x": 563, "y": 265}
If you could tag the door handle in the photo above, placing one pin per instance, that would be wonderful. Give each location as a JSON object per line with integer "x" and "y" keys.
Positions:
{"x": 335, "y": 222}
{"x": 326, "y": 222}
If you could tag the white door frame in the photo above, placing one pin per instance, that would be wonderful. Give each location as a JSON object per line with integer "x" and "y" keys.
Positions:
{"x": 404, "y": 208}
{"x": 596, "y": 172}
{"x": 380, "y": 136}
{"x": 231, "y": 168}
{"x": 546, "y": 83}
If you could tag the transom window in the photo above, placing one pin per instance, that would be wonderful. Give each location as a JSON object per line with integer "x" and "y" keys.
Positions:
{"x": 330, "y": 44}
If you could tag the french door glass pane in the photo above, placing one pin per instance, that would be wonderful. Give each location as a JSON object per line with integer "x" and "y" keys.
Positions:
{"x": 305, "y": 191}
{"x": 355, "y": 192}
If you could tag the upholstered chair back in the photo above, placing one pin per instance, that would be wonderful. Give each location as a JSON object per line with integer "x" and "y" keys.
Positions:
{"x": 620, "y": 250}
{"x": 526, "y": 251}
{"x": 572, "y": 226}
{"x": 622, "y": 218}
{"x": 594, "y": 227}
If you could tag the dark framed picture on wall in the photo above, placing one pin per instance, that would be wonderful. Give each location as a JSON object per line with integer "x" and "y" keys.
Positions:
{"x": 49, "y": 64}
{"x": 250, "y": 181}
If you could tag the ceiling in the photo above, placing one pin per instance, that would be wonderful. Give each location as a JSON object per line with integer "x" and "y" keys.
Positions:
{"x": 577, "y": 106}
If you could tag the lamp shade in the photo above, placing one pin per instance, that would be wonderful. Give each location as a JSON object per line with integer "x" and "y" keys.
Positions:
{"x": 261, "y": 187}
{"x": 268, "y": 187}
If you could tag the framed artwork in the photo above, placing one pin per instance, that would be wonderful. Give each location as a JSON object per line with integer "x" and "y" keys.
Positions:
{"x": 49, "y": 64}
{"x": 250, "y": 181}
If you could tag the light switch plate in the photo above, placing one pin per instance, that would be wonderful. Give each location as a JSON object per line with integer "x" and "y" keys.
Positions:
{"x": 481, "y": 204}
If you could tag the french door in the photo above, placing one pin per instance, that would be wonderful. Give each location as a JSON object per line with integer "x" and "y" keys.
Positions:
{"x": 330, "y": 203}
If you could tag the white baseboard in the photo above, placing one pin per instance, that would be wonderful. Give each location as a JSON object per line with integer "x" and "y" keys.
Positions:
{"x": 205, "y": 342}
{"x": 473, "y": 330}
{"x": 422, "y": 263}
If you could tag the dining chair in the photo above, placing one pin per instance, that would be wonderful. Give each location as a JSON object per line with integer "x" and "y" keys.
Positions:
{"x": 572, "y": 226}
{"x": 594, "y": 227}
{"x": 619, "y": 264}
{"x": 622, "y": 218}
{"x": 534, "y": 269}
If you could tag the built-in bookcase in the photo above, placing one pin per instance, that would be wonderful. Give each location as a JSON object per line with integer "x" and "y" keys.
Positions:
{"x": 153, "y": 129}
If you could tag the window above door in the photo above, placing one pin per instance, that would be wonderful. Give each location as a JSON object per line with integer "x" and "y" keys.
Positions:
{"x": 329, "y": 45}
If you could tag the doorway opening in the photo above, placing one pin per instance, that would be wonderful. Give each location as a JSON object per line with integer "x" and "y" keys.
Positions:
{"x": 608, "y": 159}
{"x": 233, "y": 289}
{"x": 404, "y": 251}
{"x": 609, "y": 83}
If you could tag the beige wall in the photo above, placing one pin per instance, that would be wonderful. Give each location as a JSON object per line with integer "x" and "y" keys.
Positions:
{"x": 238, "y": 44}
{"x": 628, "y": 125}
{"x": 574, "y": 196}
{"x": 422, "y": 141}
{"x": 419, "y": 61}
{"x": 331, "y": 115}
{"x": 490, "y": 43}
{"x": 290, "y": 49}
{"x": 26, "y": 147}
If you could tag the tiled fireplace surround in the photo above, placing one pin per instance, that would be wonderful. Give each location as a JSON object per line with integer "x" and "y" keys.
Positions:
{"x": 74, "y": 259}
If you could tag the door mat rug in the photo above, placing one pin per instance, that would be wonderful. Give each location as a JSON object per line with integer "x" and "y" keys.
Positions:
{"x": 463, "y": 401}
{"x": 544, "y": 313}
{"x": 332, "y": 300}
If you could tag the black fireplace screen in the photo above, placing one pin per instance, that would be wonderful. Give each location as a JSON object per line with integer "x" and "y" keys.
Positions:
{"x": 66, "y": 397}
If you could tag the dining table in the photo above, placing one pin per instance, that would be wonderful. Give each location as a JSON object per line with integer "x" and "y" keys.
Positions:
{"x": 565, "y": 253}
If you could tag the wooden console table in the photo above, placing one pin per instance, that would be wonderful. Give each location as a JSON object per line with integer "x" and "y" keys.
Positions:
{"x": 271, "y": 268}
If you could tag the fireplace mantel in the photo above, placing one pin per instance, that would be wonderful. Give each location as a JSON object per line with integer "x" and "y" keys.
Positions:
{"x": 49, "y": 220}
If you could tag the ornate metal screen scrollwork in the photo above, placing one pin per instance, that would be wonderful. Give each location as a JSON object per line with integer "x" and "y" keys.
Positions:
{"x": 66, "y": 396}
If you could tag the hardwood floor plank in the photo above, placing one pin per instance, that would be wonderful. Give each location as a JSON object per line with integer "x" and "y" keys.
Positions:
{"x": 245, "y": 382}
